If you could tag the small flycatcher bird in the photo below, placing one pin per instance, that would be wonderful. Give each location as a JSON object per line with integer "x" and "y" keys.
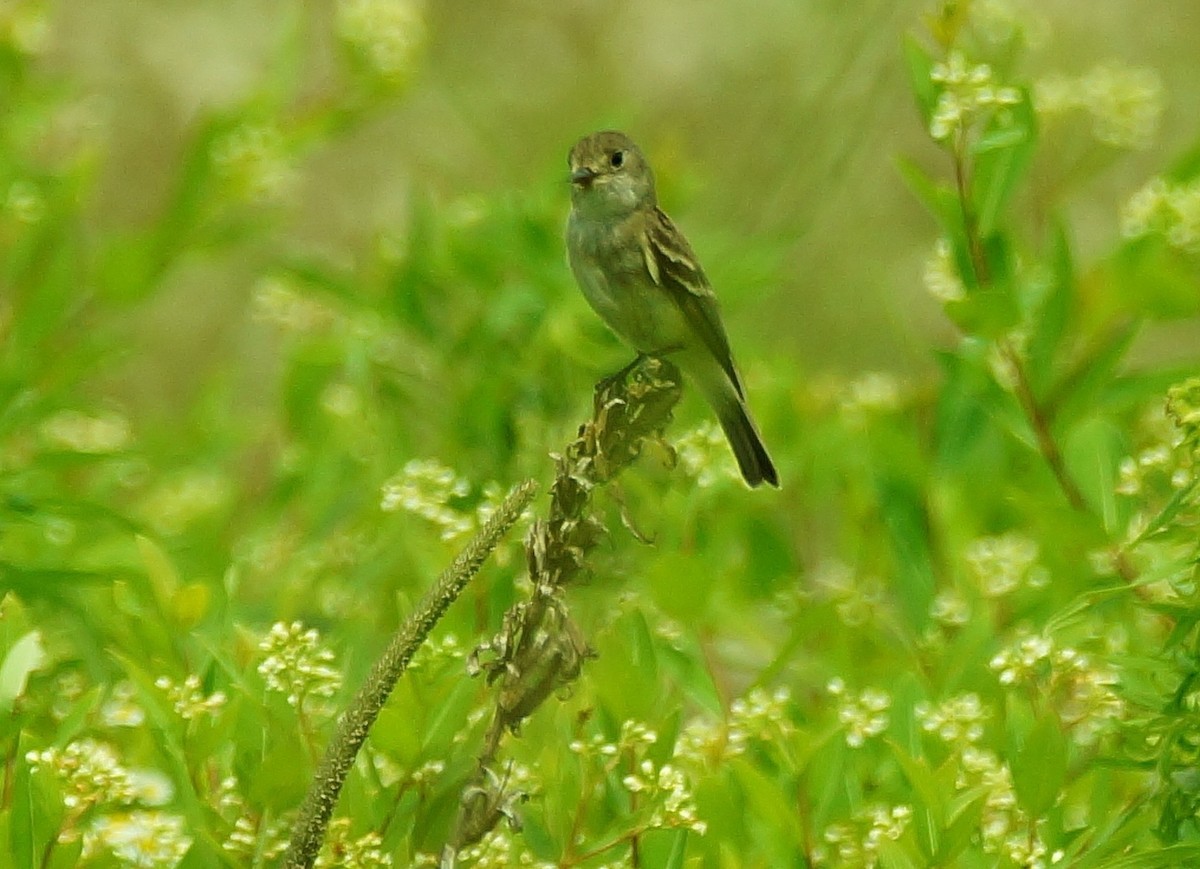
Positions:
{"x": 639, "y": 274}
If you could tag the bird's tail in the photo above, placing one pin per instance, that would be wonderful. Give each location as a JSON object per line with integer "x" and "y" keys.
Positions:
{"x": 723, "y": 391}
{"x": 747, "y": 444}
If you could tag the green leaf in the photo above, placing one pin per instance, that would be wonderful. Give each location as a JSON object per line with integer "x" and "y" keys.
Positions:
{"x": 828, "y": 781}
{"x": 906, "y": 525}
{"x": 1084, "y": 605}
{"x": 164, "y": 726}
{"x": 1158, "y": 858}
{"x": 626, "y": 672}
{"x": 1051, "y": 314}
{"x": 930, "y": 807}
{"x": 1151, "y": 279}
{"x": 1092, "y": 450}
{"x": 924, "y": 782}
{"x": 25, "y": 657}
{"x": 325, "y": 278}
{"x": 961, "y": 420}
{"x": 448, "y": 717}
{"x": 920, "y": 64}
{"x": 678, "y": 850}
{"x": 1093, "y": 373}
{"x": 939, "y": 199}
{"x": 1133, "y": 391}
{"x": 1000, "y": 139}
{"x": 962, "y": 829}
{"x": 1186, "y": 167}
{"x": 892, "y": 855}
{"x": 1181, "y": 499}
{"x": 164, "y": 579}
{"x": 58, "y": 586}
{"x": 1002, "y": 156}
{"x": 21, "y": 822}
{"x": 990, "y": 309}
{"x": 686, "y": 668}
{"x": 765, "y": 800}
{"x": 1040, "y": 766}
{"x": 279, "y": 777}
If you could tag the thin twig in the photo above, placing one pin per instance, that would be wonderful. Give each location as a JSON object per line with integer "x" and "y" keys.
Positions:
{"x": 1040, "y": 424}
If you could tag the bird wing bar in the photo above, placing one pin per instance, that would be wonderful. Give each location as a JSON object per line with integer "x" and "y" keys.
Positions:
{"x": 675, "y": 268}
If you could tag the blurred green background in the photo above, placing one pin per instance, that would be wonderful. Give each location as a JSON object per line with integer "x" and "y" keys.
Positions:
{"x": 773, "y": 129}
{"x": 284, "y": 307}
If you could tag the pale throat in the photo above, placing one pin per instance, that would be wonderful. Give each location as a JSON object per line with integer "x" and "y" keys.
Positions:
{"x": 605, "y": 201}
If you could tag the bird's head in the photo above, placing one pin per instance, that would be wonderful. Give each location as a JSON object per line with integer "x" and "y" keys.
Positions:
{"x": 609, "y": 176}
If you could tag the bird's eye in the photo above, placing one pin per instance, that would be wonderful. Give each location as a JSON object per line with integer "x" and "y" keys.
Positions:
{"x": 617, "y": 159}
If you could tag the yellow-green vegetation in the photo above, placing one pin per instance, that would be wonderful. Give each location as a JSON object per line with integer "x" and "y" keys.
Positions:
{"x": 257, "y": 394}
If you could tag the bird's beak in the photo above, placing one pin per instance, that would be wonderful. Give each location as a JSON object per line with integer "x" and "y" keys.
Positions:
{"x": 582, "y": 177}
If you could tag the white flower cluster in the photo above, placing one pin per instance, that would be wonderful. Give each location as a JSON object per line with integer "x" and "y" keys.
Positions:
{"x": 278, "y": 301}
{"x": 341, "y": 851}
{"x": 121, "y": 709}
{"x": 857, "y": 844}
{"x": 1165, "y": 208}
{"x": 1005, "y": 563}
{"x": 1083, "y": 692}
{"x": 90, "y": 433}
{"x": 858, "y": 600}
{"x": 703, "y": 456}
{"x": 297, "y": 664}
{"x": 863, "y": 715}
{"x": 874, "y": 392}
{"x": 950, "y": 608}
{"x": 759, "y": 715}
{"x": 187, "y": 698}
{"x": 666, "y": 787}
{"x": 959, "y": 720}
{"x": 1004, "y": 827}
{"x": 968, "y": 92}
{"x": 499, "y": 849}
{"x": 427, "y": 488}
{"x": 635, "y": 737}
{"x": 432, "y": 653}
{"x": 1125, "y": 104}
{"x": 1024, "y": 661}
{"x": 387, "y": 33}
{"x": 89, "y": 772}
{"x": 149, "y": 839}
{"x": 252, "y": 840}
{"x": 763, "y": 715}
{"x": 185, "y": 498}
{"x": 92, "y": 777}
{"x": 1156, "y": 460}
{"x": 254, "y": 163}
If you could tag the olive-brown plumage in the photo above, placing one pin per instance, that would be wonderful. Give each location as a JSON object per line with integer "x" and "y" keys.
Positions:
{"x": 641, "y": 276}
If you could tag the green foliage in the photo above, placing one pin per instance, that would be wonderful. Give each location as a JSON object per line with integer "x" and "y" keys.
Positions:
{"x": 964, "y": 633}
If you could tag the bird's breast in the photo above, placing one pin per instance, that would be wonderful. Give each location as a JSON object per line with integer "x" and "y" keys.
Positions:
{"x": 610, "y": 267}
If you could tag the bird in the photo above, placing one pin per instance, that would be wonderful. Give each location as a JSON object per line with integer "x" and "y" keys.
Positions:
{"x": 640, "y": 275}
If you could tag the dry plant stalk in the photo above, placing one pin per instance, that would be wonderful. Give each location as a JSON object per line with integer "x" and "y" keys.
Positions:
{"x": 539, "y": 648}
{"x": 354, "y": 725}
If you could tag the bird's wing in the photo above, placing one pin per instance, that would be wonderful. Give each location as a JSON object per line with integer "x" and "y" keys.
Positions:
{"x": 675, "y": 268}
